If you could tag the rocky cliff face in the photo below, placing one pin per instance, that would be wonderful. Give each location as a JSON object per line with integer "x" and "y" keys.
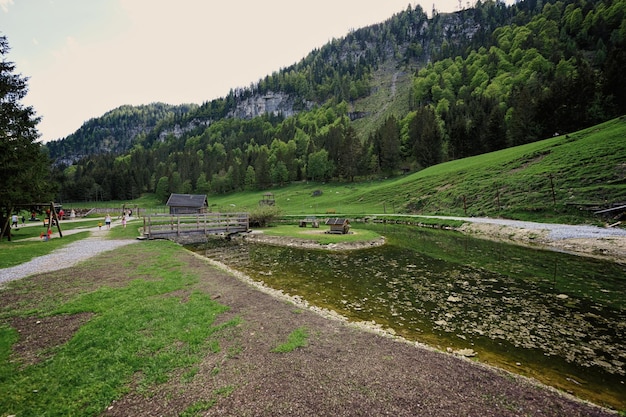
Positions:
{"x": 272, "y": 103}
{"x": 258, "y": 105}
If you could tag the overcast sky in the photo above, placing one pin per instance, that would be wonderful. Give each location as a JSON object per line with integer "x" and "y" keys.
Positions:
{"x": 86, "y": 57}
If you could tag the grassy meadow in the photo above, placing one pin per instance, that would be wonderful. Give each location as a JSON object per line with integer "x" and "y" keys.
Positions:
{"x": 551, "y": 180}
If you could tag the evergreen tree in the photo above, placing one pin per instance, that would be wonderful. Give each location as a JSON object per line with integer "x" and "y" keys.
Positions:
{"x": 162, "y": 187}
{"x": 262, "y": 168}
{"x": 350, "y": 155}
{"x": 202, "y": 185}
{"x": 250, "y": 181}
{"x": 24, "y": 168}
{"x": 426, "y": 138}
{"x": 387, "y": 145}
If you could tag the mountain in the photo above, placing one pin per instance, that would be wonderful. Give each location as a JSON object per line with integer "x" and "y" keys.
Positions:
{"x": 393, "y": 97}
{"x": 114, "y": 132}
{"x": 283, "y": 93}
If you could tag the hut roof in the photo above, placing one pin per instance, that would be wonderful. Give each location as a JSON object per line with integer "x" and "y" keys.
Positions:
{"x": 187, "y": 200}
{"x": 336, "y": 221}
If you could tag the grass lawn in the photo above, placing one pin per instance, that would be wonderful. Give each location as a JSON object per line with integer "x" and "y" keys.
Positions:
{"x": 140, "y": 327}
{"x": 319, "y": 235}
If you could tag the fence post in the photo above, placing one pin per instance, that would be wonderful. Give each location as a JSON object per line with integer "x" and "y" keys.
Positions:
{"x": 552, "y": 187}
{"x": 498, "y": 198}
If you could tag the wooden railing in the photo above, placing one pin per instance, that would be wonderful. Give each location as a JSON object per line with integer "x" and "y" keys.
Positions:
{"x": 176, "y": 225}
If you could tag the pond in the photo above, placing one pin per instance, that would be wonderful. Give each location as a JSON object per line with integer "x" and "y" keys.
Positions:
{"x": 558, "y": 318}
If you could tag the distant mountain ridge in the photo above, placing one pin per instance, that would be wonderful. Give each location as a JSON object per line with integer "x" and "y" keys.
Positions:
{"x": 117, "y": 130}
{"x": 114, "y": 132}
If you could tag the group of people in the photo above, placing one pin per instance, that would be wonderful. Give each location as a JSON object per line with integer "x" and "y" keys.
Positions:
{"x": 107, "y": 219}
{"x": 126, "y": 214}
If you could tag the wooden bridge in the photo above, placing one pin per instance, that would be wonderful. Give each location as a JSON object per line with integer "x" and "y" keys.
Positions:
{"x": 169, "y": 226}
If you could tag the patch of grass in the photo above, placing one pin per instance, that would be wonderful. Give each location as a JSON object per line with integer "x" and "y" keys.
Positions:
{"x": 133, "y": 229}
{"x": 297, "y": 338}
{"x": 148, "y": 328}
{"x": 200, "y": 406}
{"x": 319, "y": 235}
{"x": 34, "y": 231}
{"x": 417, "y": 220}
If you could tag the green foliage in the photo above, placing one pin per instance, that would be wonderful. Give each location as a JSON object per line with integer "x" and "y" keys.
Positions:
{"x": 162, "y": 189}
{"x": 297, "y": 338}
{"x": 24, "y": 167}
{"x": 319, "y": 168}
{"x": 262, "y": 215}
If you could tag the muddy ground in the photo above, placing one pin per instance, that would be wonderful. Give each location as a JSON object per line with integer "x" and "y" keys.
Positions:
{"x": 344, "y": 370}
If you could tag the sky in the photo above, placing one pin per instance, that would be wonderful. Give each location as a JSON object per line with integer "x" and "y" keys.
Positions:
{"x": 83, "y": 58}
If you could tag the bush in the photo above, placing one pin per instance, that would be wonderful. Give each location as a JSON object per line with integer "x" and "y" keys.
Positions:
{"x": 263, "y": 215}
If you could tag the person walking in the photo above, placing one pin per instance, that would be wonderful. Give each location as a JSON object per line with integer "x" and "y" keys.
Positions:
{"x": 14, "y": 220}
{"x": 107, "y": 221}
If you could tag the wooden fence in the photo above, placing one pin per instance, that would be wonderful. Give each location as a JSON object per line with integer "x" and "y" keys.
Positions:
{"x": 161, "y": 226}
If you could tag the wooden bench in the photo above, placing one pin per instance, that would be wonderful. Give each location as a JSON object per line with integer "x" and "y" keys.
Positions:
{"x": 314, "y": 222}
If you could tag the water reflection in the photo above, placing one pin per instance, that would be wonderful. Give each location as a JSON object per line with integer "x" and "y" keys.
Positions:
{"x": 554, "y": 316}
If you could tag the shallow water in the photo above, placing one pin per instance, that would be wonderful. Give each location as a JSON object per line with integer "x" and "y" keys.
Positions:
{"x": 552, "y": 316}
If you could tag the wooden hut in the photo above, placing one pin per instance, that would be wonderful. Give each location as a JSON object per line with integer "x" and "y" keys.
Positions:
{"x": 338, "y": 225}
{"x": 187, "y": 203}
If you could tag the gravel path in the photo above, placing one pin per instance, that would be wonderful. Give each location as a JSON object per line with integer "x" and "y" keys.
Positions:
{"x": 556, "y": 231}
{"x": 66, "y": 256}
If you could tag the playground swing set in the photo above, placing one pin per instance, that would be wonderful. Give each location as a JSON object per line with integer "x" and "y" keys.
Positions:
{"x": 50, "y": 220}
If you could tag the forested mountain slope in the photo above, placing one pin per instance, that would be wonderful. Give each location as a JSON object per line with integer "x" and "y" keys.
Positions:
{"x": 394, "y": 97}
{"x": 116, "y": 131}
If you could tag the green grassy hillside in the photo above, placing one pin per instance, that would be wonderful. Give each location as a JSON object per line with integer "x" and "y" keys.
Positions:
{"x": 585, "y": 168}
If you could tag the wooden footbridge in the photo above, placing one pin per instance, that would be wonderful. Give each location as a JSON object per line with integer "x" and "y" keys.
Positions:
{"x": 177, "y": 226}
